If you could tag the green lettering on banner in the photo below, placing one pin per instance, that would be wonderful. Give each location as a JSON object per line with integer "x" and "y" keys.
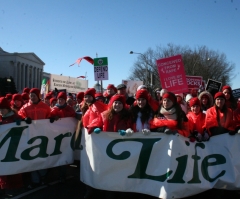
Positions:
{"x": 205, "y": 164}
{"x": 59, "y": 142}
{"x": 181, "y": 168}
{"x": 145, "y": 153}
{"x": 195, "y": 157}
{"x": 42, "y": 149}
{"x": 15, "y": 134}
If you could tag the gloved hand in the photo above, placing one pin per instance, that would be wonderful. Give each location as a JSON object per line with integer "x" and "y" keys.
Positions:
{"x": 122, "y": 132}
{"x": 169, "y": 131}
{"x": 146, "y": 131}
{"x": 129, "y": 132}
{"x": 97, "y": 130}
{"x": 161, "y": 129}
{"x": 205, "y": 136}
{"x": 51, "y": 119}
{"x": 28, "y": 120}
{"x": 199, "y": 137}
{"x": 232, "y": 132}
{"x": 18, "y": 122}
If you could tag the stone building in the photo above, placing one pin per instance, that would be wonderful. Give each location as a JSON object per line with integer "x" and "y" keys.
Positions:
{"x": 25, "y": 68}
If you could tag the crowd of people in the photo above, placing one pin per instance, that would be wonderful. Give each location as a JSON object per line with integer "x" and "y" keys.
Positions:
{"x": 197, "y": 116}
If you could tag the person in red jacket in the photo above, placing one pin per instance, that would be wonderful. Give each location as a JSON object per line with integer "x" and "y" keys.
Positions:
{"x": 9, "y": 183}
{"x": 35, "y": 109}
{"x": 47, "y": 98}
{"x": 117, "y": 117}
{"x": 142, "y": 112}
{"x": 111, "y": 90}
{"x": 91, "y": 110}
{"x": 230, "y": 100}
{"x": 25, "y": 98}
{"x": 170, "y": 118}
{"x": 53, "y": 102}
{"x": 17, "y": 102}
{"x": 219, "y": 118}
{"x": 61, "y": 109}
{"x": 196, "y": 120}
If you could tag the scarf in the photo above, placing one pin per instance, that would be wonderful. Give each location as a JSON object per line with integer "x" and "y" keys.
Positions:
{"x": 169, "y": 114}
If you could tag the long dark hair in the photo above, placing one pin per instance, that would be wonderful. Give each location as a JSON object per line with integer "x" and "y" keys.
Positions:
{"x": 223, "y": 110}
{"x": 124, "y": 114}
{"x": 146, "y": 113}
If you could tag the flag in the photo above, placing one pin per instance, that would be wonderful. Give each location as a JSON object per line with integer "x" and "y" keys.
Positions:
{"x": 81, "y": 77}
{"x": 43, "y": 86}
{"x": 87, "y": 58}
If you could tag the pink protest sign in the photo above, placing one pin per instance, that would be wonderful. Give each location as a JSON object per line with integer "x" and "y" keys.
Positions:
{"x": 194, "y": 81}
{"x": 172, "y": 74}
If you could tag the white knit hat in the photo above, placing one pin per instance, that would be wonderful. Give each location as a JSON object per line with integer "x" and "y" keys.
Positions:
{"x": 188, "y": 97}
{"x": 141, "y": 87}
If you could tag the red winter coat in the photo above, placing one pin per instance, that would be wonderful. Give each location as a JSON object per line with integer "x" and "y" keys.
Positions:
{"x": 10, "y": 119}
{"x": 93, "y": 114}
{"x": 115, "y": 123}
{"x": 196, "y": 122}
{"x": 236, "y": 115}
{"x": 171, "y": 124}
{"x": 10, "y": 181}
{"x": 226, "y": 122}
{"x": 35, "y": 111}
{"x": 66, "y": 111}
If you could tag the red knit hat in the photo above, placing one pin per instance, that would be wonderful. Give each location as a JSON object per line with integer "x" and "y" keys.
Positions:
{"x": 52, "y": 100}
{"x": 116, "y": 97}
{"x": 194, "y": 101}
{"x": 9, "y": 96}
{"x": 4, "y": 103}
{"x": 227, "y": 87}
{"x": 80, "y": 95}
{"x": 36, "y": 91}
{"x": 25, "y": 96}
{"x": 219, "y": 94}
{"x": 26, "y": 90}
{"x": 48, "y": 96}
{"x": 17, "y": 97}
{"x": 142, "y": 94}
{"x": 110, "y": 86}
{"x": 90, "y": 91}
{"x": 62, "y": 95}
{"x": 170, "y": 96}
{"x": 98, "y": 95}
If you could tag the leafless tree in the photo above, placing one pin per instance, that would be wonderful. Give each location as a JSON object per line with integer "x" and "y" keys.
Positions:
{"x": 200, "y": 61}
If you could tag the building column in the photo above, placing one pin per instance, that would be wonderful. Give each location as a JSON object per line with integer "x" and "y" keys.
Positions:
{"x": 19, "y": 77}
{"x": 15, "y": 73}
{"x": 35, "y": 77}
{"x": 27, "y": 78}
{"x": 39, "y": 78}
{"x": 32, "y": 76}
{"x": 24, "y": 76}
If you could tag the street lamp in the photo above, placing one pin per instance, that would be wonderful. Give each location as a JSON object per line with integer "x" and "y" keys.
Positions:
{"x": 146, "y": 68}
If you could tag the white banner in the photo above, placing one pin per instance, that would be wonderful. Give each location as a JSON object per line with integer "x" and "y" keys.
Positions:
{"x": 164, "y": 166}
{"x": 72, "y": 85}
{"x": 36, "y": 146}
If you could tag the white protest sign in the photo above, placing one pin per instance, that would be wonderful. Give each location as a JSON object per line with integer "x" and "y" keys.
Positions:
{"x": 101, "y": 68}
{"x": 164, "y": 166}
